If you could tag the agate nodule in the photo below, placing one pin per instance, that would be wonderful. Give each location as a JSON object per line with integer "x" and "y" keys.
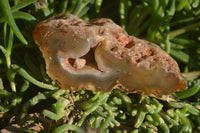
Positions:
{"x": 98, "y": 55}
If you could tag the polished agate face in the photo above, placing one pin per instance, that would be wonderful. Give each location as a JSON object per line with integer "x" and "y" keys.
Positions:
{"x": 99, "y": 55}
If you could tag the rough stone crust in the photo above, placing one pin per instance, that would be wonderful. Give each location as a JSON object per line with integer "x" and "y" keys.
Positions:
{"x": 98, "y": 55}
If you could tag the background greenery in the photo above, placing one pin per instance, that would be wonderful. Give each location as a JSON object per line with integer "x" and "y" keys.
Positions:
{"x": 28, "y": 97}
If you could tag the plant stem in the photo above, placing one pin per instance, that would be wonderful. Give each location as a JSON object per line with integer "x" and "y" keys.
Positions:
{"x": 28, "y": 77}
{"x": 191, "y": 74}
{"x": 184, "y": 29}
{"x": 141, "y": 19}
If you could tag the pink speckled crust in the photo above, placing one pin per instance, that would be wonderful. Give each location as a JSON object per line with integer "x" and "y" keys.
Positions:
{"x": 98, "y": 55}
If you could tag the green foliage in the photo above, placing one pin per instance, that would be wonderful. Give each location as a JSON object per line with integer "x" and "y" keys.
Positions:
{"x": 26, "y": 89}
{"x": 58, "y": 107}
